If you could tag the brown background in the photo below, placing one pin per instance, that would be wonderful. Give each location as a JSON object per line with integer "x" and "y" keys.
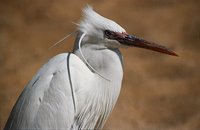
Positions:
{"x": 159, "y": 91}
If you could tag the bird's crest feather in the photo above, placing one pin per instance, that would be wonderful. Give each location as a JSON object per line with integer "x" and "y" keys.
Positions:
{"x": 92, "y": 21}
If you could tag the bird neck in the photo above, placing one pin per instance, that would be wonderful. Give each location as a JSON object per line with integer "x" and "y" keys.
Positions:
{"x": 103, "y": 94}
{"x": 106, "y": 61}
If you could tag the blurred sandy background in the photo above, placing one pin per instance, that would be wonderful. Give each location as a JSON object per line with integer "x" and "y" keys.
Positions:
{"x": 159, "y": 92}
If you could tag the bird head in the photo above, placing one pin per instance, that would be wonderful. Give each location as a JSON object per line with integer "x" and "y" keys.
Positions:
{"x": 100, "y": 30}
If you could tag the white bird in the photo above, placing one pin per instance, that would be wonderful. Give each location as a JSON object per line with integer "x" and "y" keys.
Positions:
{"x": 78, "y": 90}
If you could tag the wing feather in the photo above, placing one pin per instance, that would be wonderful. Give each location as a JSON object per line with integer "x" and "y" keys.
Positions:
{"x": 46, "y": 102}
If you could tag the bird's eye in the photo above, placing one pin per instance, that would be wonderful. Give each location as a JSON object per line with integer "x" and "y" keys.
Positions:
{"x": 107, "y": 33}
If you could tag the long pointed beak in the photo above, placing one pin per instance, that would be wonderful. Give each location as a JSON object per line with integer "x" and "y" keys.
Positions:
{"x": 131, "y": 40}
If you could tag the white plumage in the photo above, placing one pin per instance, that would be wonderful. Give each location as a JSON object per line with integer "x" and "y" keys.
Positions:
{"x": 93, "y": 21}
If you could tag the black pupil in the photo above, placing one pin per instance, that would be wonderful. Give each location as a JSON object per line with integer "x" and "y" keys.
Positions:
{"x": 107, "y": 32}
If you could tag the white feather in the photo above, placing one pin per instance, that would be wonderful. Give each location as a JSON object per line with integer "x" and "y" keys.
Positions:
{"x": 93, "y": 21}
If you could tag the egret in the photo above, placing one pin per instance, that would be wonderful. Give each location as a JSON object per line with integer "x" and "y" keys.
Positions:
{"x": 78, "y": 90}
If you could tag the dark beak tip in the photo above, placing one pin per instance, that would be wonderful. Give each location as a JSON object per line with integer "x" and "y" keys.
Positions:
{"x": 174, "y": 54}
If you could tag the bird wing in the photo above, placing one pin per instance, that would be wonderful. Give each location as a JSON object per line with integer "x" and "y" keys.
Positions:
{"x": 48, "y": 101}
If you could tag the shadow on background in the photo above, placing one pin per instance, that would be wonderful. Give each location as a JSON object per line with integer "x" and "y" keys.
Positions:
{"x": 159, "y": 91}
